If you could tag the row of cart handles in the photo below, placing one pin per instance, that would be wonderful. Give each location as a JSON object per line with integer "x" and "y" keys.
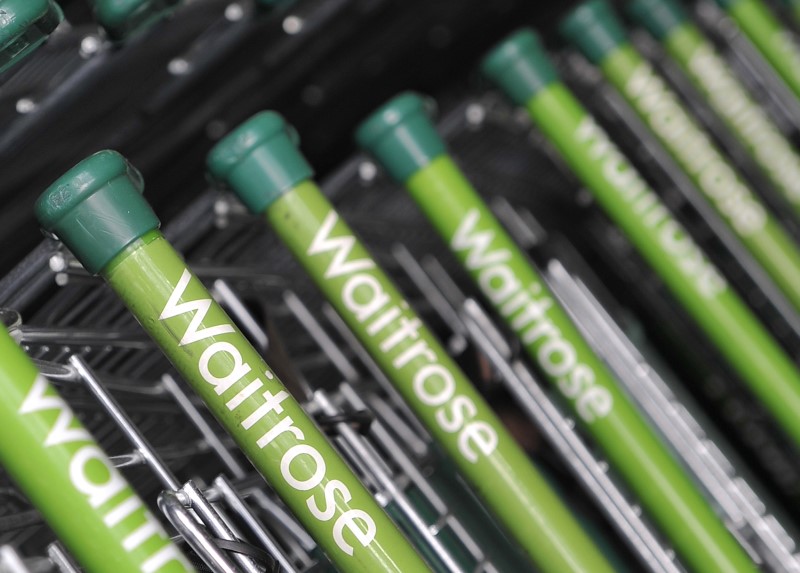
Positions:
{"x": 98, "y": 211}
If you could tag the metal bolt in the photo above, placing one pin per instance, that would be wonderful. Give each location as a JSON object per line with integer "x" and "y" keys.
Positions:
{"x": 475, "y": 114}
{"x": 292, "y": 25}
{"x": 367, "y": 171}
{"x": 90, "y": 45}
{"x": 26, "y": 105}
{"x": 178, "y": 66}
{"x": 234, "y": 12}
{"x": 58, "y": 263}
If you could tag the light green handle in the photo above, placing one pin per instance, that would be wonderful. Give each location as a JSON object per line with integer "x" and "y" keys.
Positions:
{"x": 776, "y": 43}
{"x": 683, "y": 267}
{"x": 67, "y": 476}
{"x": 432, "y": 384}
{"x": 647, "y": 222}
{"x": 554, "y": 344}
{"x": 521, "y": 297}
{"x": 706, "y": 166}
{"x": 407, "y": 352}
{"x": 661, "y": 110}
{"x": 724, "y": 93}
{"x": 99, "y": 213}
{"x": 270, "y": 427}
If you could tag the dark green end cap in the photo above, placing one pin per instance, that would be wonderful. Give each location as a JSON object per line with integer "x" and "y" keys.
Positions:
{"x": 259, "y": 160}
{"x": 659, "y": 17}
{"x": 24, "y": 26}
{"x": 97, "y": 209}
{"x": 401, "y": 135}
{"x": 122, "y": 18}
{"x": 520, "y": 66}
{"x": 595, "y": 29}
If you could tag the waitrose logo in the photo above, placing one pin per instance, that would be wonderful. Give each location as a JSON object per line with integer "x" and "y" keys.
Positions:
{"x": 769, "y": 147}
{"x": 94, "y": 476}
{"x": 257, "y": 403}
{"x": 403, "y": 345}
{"x": 525, "y": 308}
{"x": 644, "y": 204}
{"x": 695, "y": 151}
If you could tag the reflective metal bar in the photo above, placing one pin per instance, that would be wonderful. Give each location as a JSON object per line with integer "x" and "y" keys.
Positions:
{"x": 196, "y": 536}
{"x": 237, "y": 504}
{"x": 216, "y": 523}
{"x": 130, "y": 430}
{"x": 62, "y": 560}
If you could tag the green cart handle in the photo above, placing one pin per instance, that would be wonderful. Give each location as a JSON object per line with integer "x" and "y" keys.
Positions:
{"x": 594, "y": 28}
{"x": 261, "y": 163}
{"x": 24, "y": 26}
{"x": 98, "y": 211}
{"x": 697, "y": 57}
{"x": 521, "y": 67}
{"x": 405, "y": 142}
{"x": 775, "y": 43}
{"x": 122, "y": 19}
{"x": 59, "y": 466}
